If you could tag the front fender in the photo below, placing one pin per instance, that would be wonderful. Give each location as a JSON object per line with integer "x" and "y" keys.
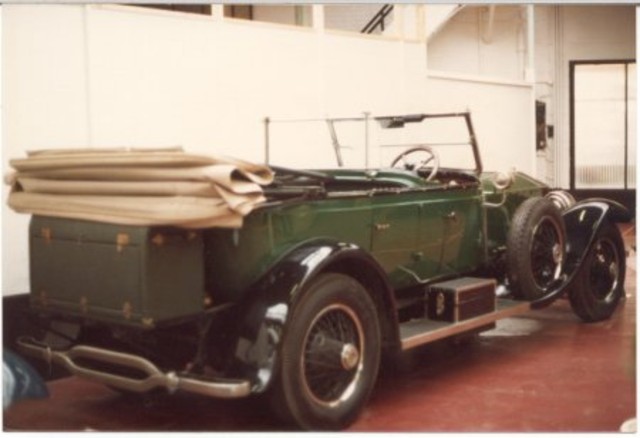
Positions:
{"x": 582, "y": 222}
{"x": 264, "y": 313}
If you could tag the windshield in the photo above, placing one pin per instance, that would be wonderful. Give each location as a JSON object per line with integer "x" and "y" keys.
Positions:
{"x": 371, "y": 141}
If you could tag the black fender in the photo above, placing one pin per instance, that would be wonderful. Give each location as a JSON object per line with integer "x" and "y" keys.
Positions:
{"x": 266, "y": 309}
{"x": 582, "y": 222}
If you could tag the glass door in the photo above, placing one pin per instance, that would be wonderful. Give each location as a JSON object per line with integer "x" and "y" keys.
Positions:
{"x": 603, "y": 147}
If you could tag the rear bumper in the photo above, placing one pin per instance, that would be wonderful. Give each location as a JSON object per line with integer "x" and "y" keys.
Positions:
{"x": 153, "y": 377}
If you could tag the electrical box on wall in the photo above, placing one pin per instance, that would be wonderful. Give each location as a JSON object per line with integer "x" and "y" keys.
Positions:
{"x": 541, "y": 125}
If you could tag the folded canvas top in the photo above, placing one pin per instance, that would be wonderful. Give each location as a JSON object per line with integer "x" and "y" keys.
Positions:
{"x": 137, "y": 186}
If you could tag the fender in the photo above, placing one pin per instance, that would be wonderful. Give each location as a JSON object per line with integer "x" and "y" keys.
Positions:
{"x": 267, "y": 307}
{"x": 582, "y": 222}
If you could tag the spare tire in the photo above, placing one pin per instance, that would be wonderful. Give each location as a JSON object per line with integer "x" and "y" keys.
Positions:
{"x": 535, "y": 248}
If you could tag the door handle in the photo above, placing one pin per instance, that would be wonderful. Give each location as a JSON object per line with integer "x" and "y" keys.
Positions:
{"x": 451, "y": 216}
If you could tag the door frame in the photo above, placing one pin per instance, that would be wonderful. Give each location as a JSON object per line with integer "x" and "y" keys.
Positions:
{"x": 624, "y": 195}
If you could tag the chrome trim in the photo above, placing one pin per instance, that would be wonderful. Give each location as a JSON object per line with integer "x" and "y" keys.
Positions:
{"x": 155, "y": 377}
{"x": 562, "y": 199}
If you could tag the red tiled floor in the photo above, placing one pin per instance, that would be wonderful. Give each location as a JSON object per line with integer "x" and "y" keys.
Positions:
{"x": 543, "y": 371}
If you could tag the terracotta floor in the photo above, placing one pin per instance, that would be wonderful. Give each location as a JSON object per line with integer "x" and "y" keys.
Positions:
{"x": 542, "y": 372}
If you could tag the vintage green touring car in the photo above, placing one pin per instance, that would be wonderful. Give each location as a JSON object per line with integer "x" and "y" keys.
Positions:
{"x": 331, "y": 271}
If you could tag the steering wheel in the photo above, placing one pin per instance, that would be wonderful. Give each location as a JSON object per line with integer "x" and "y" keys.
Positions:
{"x": 419, "y": 164}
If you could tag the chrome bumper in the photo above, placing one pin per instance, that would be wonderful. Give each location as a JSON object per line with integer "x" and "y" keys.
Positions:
{"x": 155, "y": 378}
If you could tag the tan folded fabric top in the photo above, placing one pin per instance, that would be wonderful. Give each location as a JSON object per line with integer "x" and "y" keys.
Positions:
{"x": 137, "y": 186}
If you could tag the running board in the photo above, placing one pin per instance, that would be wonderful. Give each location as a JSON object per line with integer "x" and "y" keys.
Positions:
{"x": 422, "y": 331}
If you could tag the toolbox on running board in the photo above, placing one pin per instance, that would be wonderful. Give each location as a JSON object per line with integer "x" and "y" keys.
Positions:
{"x": 461, "y": 299}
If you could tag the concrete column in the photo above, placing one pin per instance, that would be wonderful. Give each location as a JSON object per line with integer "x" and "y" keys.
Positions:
{"x": 421, "y": 30}
{"x": 317, "y": 14}
{"x": 529, "y": 71}
{"x": 217, "y": 11}
{"x": 398, "y": 20}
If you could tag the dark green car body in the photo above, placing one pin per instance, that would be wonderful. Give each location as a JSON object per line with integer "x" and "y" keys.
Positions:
{"x": 416, "y": 231}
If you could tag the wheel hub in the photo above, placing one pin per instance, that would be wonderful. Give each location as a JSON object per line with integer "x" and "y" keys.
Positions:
{"x": 332, "y": 363}
{"x": 349, "y": 357}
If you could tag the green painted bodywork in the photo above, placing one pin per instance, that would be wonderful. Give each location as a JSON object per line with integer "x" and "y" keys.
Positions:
{"x": 89, "y": 269}
{"x": 417, "y": 231}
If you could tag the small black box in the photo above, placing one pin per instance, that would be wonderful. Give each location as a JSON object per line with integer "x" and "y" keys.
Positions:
{"x": 461, "y": 299}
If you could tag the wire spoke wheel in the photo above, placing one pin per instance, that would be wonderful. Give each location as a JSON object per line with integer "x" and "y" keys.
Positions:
{"x": 546, "y": 253}
{"x": 330, "y": 355}
{"x": 536, "y": 248}
{"x": 332, "y": 360}
{"x": 599, "y": 285}
{"x": 604, "y": 270}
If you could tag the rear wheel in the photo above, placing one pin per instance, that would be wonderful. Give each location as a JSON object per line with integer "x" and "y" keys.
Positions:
{"x": 330, "y": 355}
{"x": 599, "y": 284}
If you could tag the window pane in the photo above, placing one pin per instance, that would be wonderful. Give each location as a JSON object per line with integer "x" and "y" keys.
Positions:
{"x": 631, "y": 126}
{"x": 600, "y": 126}
{"x": 354, "y": 17}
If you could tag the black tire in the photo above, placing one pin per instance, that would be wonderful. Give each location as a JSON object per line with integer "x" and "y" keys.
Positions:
{"x": 535, "y": 248}
{"x": 330, "y": 355}
{"x": 599, "y": 284}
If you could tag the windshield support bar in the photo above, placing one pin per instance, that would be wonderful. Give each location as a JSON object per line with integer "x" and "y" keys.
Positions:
{"x": 334, "y": 141}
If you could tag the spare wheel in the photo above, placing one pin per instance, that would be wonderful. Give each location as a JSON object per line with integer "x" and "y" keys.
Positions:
{"x": 536, "y": 248}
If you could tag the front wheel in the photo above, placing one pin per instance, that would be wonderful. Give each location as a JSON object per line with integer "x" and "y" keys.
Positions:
{"x": 330, "y": 355}
{"x": 599, "y": 284}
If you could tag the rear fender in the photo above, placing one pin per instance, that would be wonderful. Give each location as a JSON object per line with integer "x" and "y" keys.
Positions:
{"x": 264, "y": 314}
{"x": 582, "y": 222}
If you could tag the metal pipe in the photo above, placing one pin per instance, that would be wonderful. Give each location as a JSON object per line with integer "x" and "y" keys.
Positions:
{"x": 487, "y": 35}
{"x": 334, "y": 141}
{"x": 267, "y": 146}
{"x": 474, "y": 143}
{"x": 155, "y": 378}
{"x": 366, "y": 139}
{"x": 530, "y": 68}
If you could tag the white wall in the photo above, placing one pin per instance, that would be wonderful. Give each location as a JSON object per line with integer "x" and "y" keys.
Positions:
{"x": 105, "y": 75}
{"x": 478, "y": 60}
{"x": 506, "y": 141}
{"x": 439, "y": 15}
{"x": 572, "y": 33}
{"x": 471, "y": 43}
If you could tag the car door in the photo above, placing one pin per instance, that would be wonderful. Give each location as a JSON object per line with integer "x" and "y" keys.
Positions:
{"x": 399, "y": 224}
{"x": 453, "y": 222}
